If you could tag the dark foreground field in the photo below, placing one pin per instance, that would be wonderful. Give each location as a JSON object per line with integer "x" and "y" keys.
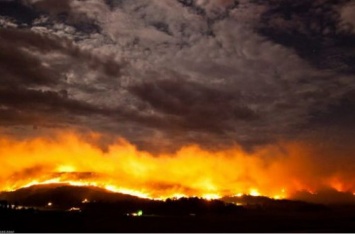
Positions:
{"x": 247, "y": 221}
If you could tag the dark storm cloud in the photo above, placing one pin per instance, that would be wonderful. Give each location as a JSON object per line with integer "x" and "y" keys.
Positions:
{"x": 211, "y": 14}
{"x": 314, "y": 28}
{"x": 163, "y": 73}
{"x": 11, "y": 116}
{"x": 44, "y": 101}
{"x": 28, "y": 39}
{"x": 194, "y": 106}
{"x": 17, "y": 63}
{"x": 36, "y": 107}
{"x": 18, "y": 11}
{"x": 318, "y": 33}
{"x": 62, "y": 11}
{"x": 20, "y": 67}
{"x": 32, "y": 92}
{"x": 51, "y": 6}
{"x": 339, "y": 113}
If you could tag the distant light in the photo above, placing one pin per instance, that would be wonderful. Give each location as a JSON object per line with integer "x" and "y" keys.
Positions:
{"x": 238, "y": 195}
{"x": 140, "y": 213}
{"x": 49, "y": 204}
{"x": 75, "y": 209}
{"x": 85, "y": 201}
{"x": 135, "y": 214}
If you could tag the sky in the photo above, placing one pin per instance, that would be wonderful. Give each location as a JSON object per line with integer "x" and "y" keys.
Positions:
{"x": 163, "y": 74}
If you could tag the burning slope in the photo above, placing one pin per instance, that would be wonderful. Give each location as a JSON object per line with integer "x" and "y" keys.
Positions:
{"x": 274, "y": 171}
{"x": 63, "y": 196}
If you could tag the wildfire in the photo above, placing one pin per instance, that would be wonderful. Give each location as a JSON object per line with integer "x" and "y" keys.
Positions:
{"x": 254, "y": 192}
{"x": 191, "y": 171}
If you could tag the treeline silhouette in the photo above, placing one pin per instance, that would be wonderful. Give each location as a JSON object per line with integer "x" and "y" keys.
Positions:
{"x": 102, "y": 201}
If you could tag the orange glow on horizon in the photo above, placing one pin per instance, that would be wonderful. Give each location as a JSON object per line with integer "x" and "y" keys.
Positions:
{"x": 190, "y": 171}
{"x": 254, "y": 192}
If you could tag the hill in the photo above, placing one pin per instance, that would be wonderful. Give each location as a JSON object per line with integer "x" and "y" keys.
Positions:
{"x": 63, "y": 196}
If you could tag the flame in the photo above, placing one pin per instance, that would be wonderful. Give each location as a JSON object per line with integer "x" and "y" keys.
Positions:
{"x": 65, "y": 168}
{"x": 211, "y": 196}
{"x": 69, "y": 158}
{"x": 254, "y": 192}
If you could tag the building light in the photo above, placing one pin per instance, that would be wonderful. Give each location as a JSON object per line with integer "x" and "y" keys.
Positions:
{"x": 135, "y": 214}
{"x": 85, "y": 201}
{"x": 75, "y": 209}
